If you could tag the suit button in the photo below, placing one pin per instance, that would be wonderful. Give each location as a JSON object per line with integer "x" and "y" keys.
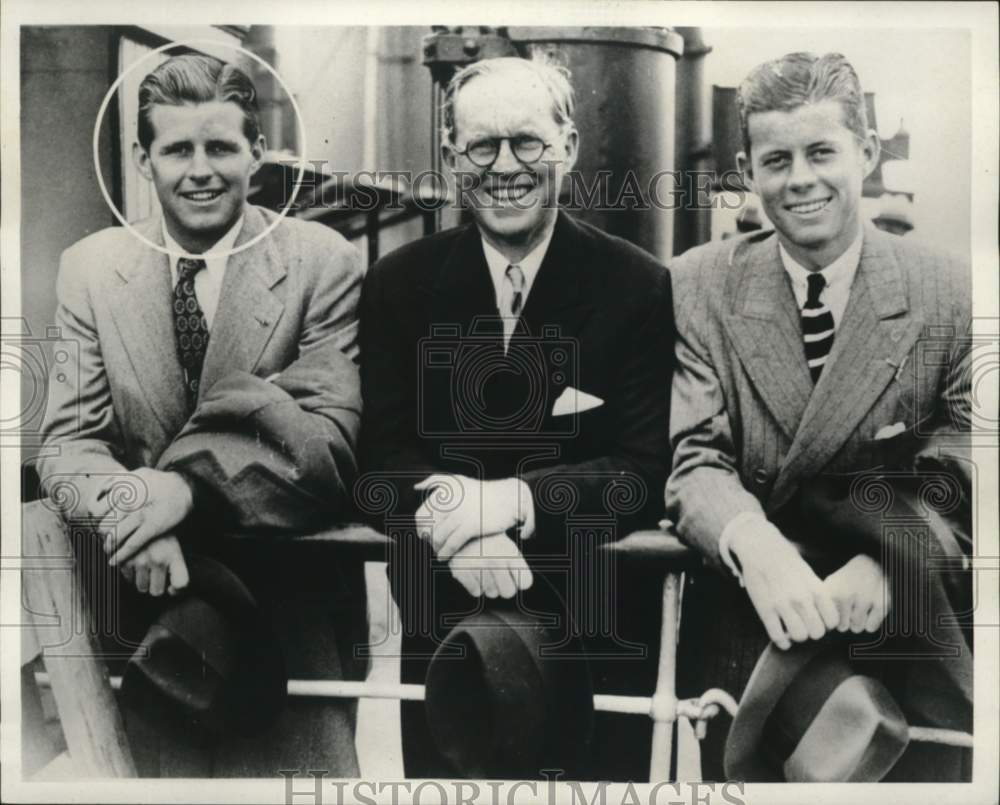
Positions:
{"x": 760, "y": 476}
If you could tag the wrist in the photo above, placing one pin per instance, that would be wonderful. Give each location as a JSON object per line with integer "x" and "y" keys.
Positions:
{"x": 522, "y": 497}
{"x": 760, "y": 542}
{"x": 188, "y": 487}
{"x": 524, "y": 526}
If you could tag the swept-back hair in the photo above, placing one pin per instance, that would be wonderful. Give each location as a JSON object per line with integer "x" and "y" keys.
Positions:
{"x": 196, "y": 78}
{"x": 797, "y": 79}
{"x": 553, "y": 77}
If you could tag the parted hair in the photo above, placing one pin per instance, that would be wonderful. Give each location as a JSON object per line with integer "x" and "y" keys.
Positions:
{"x": 797, "y": 79}
{"x": 196, "y": 78}
{"x": 554, "y": 77}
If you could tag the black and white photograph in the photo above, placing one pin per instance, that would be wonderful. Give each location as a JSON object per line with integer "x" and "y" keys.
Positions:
{"x": 588, "y": 402}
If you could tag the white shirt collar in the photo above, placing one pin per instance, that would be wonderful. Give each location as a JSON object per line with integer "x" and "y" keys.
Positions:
{"x": 214, "y": 264}
{"x": 838, "y": 275}
{"x": 529, "y": 264}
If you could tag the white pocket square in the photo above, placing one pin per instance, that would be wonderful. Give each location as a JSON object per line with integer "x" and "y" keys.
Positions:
{"x": 889, "y": 431}
{"x": 574, "y": 401}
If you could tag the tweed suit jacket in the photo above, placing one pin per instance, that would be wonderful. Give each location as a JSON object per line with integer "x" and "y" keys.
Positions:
{"x": 119, "y": 403}
{"x": 747, "y": 425}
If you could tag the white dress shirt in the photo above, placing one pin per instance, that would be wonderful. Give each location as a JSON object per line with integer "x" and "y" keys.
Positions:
{"x": 839, "y": 276}
{"x": 529, "y": 265}
{"x": 207, "y": 282}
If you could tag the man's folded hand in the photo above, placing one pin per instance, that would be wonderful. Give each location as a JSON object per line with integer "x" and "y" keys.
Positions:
{"x": 861, "y": 593}
{"x": 169, "y": 498}
{"x": 492, "y": 566}
{"x": 459, "y": 509}
{"x": 158, "y": 568}
{"x": 791, "y": 600}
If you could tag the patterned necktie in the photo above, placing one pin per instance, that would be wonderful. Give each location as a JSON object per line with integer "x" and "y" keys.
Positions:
{"x": 511, "y": 301}
{"x": 817, "y": 326}
{"x": 190, "y": 327}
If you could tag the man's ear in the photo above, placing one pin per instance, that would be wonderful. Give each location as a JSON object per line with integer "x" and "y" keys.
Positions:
{"x": 871, "y": 149}
{"x": 744, "y": 166}
{"x": 140, "y": 156}
{"x": 448, "y": 157}
{"x": 572, "y": 147}
{"x": 257, "y": 149}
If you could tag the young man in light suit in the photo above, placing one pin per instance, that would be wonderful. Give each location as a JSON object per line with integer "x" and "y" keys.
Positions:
{"x": 798, "y": 356}
{"x": 217, "y": 377}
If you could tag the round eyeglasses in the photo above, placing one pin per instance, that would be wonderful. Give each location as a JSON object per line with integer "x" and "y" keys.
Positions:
{"x": 484, "y": 152}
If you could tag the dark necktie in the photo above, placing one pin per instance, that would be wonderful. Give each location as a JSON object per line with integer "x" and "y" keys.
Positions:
{"x": 817, "y": 326}
{"x": 190, "y": 327}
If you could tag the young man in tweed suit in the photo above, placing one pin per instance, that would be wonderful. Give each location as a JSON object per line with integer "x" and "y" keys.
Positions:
{"x": 798, "y": 355}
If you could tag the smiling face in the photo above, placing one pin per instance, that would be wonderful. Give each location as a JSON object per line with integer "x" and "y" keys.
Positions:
{"x": 514, "y": 204}
{"x": 200, "y": 162}
{"x": 808, "y": 169}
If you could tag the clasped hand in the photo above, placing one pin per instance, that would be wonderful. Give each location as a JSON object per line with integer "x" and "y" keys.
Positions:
{"x": 460, "y": 509}
{"x": 168, "y": 500}
{"x": 795, "y": 605}
{"x": 492, "y": 566}
{"x": 141, "y": 541}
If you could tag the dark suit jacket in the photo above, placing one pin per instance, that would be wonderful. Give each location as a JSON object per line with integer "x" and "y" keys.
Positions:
{"x": 440, "y": 396}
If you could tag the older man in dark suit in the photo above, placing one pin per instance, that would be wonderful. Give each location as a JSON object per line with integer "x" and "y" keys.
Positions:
{"x": 216, "y": 377}
{"x": 802, "y": 352}
{"x": 516, "y": 386}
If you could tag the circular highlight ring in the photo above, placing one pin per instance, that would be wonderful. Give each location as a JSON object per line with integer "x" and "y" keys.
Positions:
{"x": 100, "y": 119}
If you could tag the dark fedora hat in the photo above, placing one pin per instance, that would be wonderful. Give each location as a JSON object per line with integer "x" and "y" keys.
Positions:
{"x": 501, "y": 703}
{"x": 210, "y": 661}
{"x": 808, "y": 716}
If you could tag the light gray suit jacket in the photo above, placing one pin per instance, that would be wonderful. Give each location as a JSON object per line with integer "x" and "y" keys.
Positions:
{"x": 119, "y": 402}
{"x": 748, "y": 427}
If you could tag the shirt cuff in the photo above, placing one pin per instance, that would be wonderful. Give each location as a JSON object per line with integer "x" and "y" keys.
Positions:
{"x": 526, "y": 507}
{"x": 741, "y": 522}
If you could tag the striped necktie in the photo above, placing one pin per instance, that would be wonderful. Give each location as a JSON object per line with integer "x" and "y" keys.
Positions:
{"x": 511, "y": 301}
{"x": 190, "y": 328}
{"x": 817, "y": 326}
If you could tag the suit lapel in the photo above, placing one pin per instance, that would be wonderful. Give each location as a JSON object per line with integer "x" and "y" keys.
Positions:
{"x": 248, "y": 309}
{"x": 766, "y": 334}
{"x": 558, "y": 297}
{"x": 463, "y": 294}
{"x": 142, "y": 311}
{"x": 876, "y": 334}
{"x": 463, "y": 290}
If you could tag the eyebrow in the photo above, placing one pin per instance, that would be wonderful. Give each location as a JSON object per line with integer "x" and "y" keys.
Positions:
{"x": 171, "y": 145}
{"x": 782, "y": 150}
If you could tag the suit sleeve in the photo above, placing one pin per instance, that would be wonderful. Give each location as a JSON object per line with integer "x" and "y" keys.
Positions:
{"x": 80, "y": 433}
{"x": 282, "y": 454}
{"x": 948, "y": 443}
{"x": 704, "y": 492}
{"x": 627, "y": 481}
{"x": 391, "y": 454}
